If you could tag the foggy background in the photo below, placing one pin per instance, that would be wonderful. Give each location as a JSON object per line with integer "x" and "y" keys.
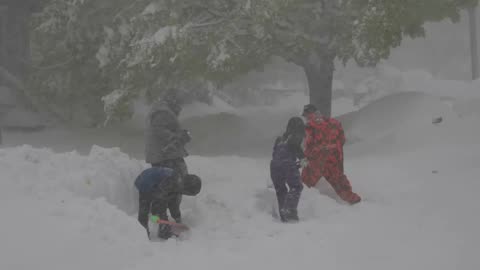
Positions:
{"x": 444, "y": 54}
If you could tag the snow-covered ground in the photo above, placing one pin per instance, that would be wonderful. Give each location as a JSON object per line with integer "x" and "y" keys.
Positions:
{"x": 418, "y": 180}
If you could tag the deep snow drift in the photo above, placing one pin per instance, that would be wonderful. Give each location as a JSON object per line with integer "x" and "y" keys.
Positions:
{"x": 66, "y": 211}
{"x": 418, "y": 180}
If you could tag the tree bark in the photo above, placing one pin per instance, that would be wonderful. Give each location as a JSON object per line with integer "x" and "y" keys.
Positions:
{"x": 3, "y": 37}
{"x": 472, "y": 16}
{"x": 319, "y": 73}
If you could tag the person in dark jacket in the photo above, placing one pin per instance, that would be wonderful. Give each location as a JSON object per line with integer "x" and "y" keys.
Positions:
{"x": 284, "y": 169}
{"x": 157, "y": 186}
{"x": 166, "y": 140}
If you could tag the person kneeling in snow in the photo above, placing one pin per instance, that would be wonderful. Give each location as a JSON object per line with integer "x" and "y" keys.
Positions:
{"x": 284, "y": 169}
{"x": 324, "y": 142}
{"x": 157, "y": 186}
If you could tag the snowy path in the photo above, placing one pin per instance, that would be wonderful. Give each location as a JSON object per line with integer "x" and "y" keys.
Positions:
{"x": 411, "y": 218}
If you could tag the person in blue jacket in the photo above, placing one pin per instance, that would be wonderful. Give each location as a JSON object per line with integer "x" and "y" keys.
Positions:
{"x": 156, "y": 187}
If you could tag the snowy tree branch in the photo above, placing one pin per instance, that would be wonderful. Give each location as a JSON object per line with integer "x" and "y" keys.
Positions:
{"x": 205, "y": 24}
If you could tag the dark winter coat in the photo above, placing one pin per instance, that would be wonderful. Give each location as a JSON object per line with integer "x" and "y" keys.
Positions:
{"x": 157, "y": 186}
{"x": 155, "y": 178}
{"x": 165, "y": 140}
{"x": 288, "y": 147}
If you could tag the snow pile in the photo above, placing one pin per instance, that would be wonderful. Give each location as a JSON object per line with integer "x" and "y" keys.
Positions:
{"x": 104, "y": 173}
{"x": 421, "y": 81}
{"x": 413, "y": 216}
{"x": 385, "y": 80}
{"x": 406, "y": 121}
{"x": 397, "y": 114}
{"x": 467, "y": 107}
{"x": 60, "y": 210}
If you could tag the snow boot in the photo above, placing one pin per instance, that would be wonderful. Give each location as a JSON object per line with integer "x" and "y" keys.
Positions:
{"x": 350, "y": 197}
{"x": 282, "y": 214}
{"x": 289, "y": 215}
{"x": 164, "y": 231}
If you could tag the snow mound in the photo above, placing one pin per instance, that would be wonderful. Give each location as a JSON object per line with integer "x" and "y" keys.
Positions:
{"x": 466, "y": 108}
{"x": 421, "y": 81}
{"x": 61, "y": 211}
{"x": 104, "y": 173}
{"x": 397, "y": 113}
{"x": 385, "y": 80}
{"x": 408, "y": 120}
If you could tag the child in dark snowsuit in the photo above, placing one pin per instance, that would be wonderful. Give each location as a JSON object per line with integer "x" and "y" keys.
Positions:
{"x": 284, "y": 169}
{"x": 157, "y": 186}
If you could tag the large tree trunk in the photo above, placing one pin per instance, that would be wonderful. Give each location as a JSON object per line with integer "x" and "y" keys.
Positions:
{"x": 319, "y": 73}
{"x": 3, "y": 37}
{"x": 18, "y": 40}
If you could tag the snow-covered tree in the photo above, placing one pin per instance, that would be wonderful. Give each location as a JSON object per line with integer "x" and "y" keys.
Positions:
{"x": 313, "y": 33}
{"x": 66, "y": 78}
{"x": 191, "y": 46}
{"x": 116, "y": 51}
{"x": 103, "y": 54}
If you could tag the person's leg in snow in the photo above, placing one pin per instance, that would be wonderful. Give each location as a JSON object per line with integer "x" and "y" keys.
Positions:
{"x": 144, "y": 205}
{"x": 342, "y": 187}
{"x": 159, "y": 208}
{"x": 174, "y": 208}
{"x": 338, "y": 180}
{"x": 279, "y": 183}
{"x": 332, "y": 169}
{"x": 179, "y": 166}
{"x": 295, "y": 188}
{"x": 284, "y": 175}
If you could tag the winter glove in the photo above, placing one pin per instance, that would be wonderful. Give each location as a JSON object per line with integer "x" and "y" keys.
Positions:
{"x": 164, "y": 231}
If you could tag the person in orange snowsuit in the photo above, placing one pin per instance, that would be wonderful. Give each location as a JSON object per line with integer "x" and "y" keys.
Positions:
{"x": 324, "y": 142}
